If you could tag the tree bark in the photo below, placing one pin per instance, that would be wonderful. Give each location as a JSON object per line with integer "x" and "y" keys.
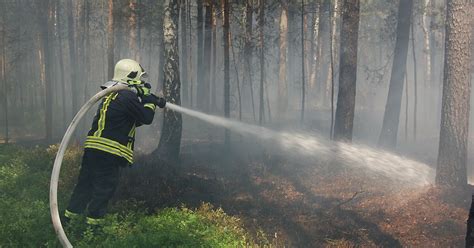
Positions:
{"x": 226, "y": 67}
{"x": 426, "y": 35}
{"x": 452, "y": 155}
{"x": 332, "y": 50}
{"x": 61, "y": 65}
{"x": 303, "y": 93}
{"x": 184, "y": 52}
{"x": 248, "y": 52}
{"x": 415, "y": 81}
{"x": 314, "y": 45}
{"x": 200, "y": 84}
{"x": 389, "y": 133}
{"x": 207, "y": 55}
{"x": 4, "y": 81}
{"x": 348, "y": 72}
{"x": 72, "y": 56}
{"x": 237, "y": 77}
{"x": 282, "y": 81}
{"x": 110, "y": 41}
{"x": 262, "y": 61}
{"x": 46, "y": 23}
{"x": 170, "y": 139}
{"x": 132, "y": 25}
{"x": 213, "y": 102}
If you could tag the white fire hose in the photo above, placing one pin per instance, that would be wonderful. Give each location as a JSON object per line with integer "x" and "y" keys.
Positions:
{"x": 53, "y": 189}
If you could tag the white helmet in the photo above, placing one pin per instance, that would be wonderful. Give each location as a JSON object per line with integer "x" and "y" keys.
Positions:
{"x": 127, "y": 70}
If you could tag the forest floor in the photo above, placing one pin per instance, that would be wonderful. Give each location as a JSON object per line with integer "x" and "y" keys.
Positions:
{"x": 302, "y": 205}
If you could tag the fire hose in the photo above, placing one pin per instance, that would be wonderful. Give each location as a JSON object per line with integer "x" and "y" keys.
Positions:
{"x": 53, "y": 189}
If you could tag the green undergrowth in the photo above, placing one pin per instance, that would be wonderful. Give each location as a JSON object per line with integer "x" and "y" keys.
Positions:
{"x": 25, "y": 218}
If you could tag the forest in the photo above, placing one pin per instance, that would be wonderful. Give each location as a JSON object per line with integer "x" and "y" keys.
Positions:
{"x": 288, "y": 123}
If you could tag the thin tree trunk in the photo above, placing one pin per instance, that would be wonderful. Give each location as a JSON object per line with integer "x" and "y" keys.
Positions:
{"x": 207, "y": 55}
{"x": 452, "y": 156}
{"x": 191, "y": 61}
{"x": 87, "y": 54}
{"x": 184, "y": 52}
{"x": 302, "y": 63}
{"x": 389, "y": 133}
{"x": 262, "y": 60}
{"x": 239, "y": 96}
{"x": 225, "y": 4}
{"x": 214, "y": 61}
{"x": 132, "y": 26}
{"x": 47, "y": 23}
{"x": 415, "y": 80}
{"x": 333, "y": 56}
{"x": 4, "y": 80}
{"x": 406, "y": 108}
{"x": 348, "y": 72}
{"x": 426, "y": 34}
{"x": 200, "y": 87}
{"x": 61, "y": 65}
{"x": 267, "y": 98}
{"x": 170, "y": 139}
{"x": 248, "y": 52}
{"x": 314, "y": 45}
{"x": 72, "y": 56}
{"x": 110, "y": 41}
{"x": 282, "y": 81}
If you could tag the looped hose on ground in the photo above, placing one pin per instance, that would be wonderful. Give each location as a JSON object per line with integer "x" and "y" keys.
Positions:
{"x": 53, "y": 190}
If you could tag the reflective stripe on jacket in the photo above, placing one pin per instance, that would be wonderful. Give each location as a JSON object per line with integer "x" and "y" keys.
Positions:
{"x": 113, "y": 127}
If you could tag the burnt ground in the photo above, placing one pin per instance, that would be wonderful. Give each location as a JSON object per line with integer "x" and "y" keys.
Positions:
{"x": 303, "y": 205}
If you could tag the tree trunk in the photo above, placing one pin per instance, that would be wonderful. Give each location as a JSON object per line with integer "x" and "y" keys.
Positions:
{"x": 388, "y": 135}
{"x": 303, "y": 93}
{"x": 332, "y": 52}
{"x": 61, "y": 65}
{"x": 248, "y": 52}
{"x": 348, "y": 72}
{"x": 207, "y": 55}
{"x": 415, "y": 81}
{"x": 452, "y": 156}
{"x": 237, "y": 77}
{"x": 72, "y": 57}
{"x": 132, "y": 26}
{"x": 282, "y": 102}
{"x": 46, "y": 24}
{"x": 314, "y": 45}
{"x": 262, "y": 61}
{"x": 4, "y": 79}
{"x": 426, "y": 34}
{"x": 406, "y": 107}
{"x": 184, "y": 52}
{"x": 214, "y": 61}
{"x": 110, "y": 41}
{"x": 170, "y": 139}
{"x": 200, "y": 87}
{"x": 226, "y": 67}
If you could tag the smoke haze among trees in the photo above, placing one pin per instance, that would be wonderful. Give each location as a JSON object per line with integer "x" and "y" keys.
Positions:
{"x": 281, "y": 64}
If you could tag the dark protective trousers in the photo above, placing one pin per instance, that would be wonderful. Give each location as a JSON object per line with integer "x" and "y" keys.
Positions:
{"x": 98, "y": 179}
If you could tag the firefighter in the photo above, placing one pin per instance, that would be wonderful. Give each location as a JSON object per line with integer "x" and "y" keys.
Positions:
{"x": 110, "y": 141}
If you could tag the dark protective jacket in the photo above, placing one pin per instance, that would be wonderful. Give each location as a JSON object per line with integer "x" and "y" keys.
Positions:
{"x": 113, "y": 127}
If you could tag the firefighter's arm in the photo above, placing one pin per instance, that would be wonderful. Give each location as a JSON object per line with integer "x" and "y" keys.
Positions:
{"x": 143, "y": 112}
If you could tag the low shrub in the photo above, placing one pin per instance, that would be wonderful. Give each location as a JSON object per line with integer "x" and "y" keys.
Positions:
{"x": 25, "y": 218}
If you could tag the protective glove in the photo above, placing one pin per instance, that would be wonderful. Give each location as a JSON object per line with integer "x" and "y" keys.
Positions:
{"x": 143, "y": 89}
{"x": 160, "y": 101}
